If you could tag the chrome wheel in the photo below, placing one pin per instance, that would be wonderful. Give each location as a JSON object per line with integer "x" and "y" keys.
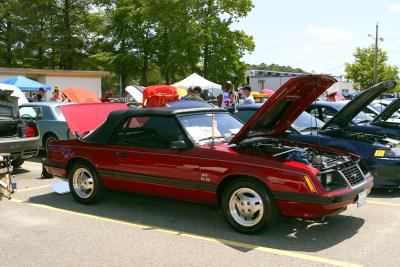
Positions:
{"x": 82, "y": 182}
{"x": 246, "y": 207}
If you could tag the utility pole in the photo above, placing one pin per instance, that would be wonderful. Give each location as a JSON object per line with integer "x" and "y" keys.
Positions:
{"x": 376, "y": 56}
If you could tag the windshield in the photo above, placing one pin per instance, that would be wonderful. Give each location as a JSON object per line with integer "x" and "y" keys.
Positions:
{"x": 362, "y": 117}
{"x": 379, "y": 107}
{"x": 199, "y": 127}
{"x": 307, "y": 122}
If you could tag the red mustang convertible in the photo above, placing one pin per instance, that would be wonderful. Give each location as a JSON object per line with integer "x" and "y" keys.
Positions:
{"x": 206, "y": 155}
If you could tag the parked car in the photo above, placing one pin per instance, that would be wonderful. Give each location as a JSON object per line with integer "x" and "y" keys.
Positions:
{"x": 17, "y": 137}
{"x": 351, "y": 117}
{"x": 49, "y": 119}
{"x": 183, "y": 153}
{"x": 389, "y": 117}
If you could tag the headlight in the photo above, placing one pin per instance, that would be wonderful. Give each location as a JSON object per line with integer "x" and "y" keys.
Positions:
{"x": 387, "y": 153}
{"x": 331, "y": 181}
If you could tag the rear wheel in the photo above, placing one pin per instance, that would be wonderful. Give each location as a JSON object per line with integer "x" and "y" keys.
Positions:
{"x": 85, "y": 184}
{"x": 47, "y": 140}
{"x": 248, "y": 206}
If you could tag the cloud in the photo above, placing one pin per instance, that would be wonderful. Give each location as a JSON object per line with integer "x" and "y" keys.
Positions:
{"x": 395, "y": 8}
{"x": 329, "y": 33}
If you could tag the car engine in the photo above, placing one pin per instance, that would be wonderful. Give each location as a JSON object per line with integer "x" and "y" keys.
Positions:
{"x": 336, "y": 171}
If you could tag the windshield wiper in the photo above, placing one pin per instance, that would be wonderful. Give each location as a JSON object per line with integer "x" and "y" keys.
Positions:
{"x": 210, "y": 138}
{"x": 310, "y": 128}
{"x": 363, "y": 121}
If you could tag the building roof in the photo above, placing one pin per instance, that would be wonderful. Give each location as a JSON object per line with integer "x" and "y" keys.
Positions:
{"x": 45, "y": 72}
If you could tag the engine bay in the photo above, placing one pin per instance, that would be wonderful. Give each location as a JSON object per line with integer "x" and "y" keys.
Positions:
{"x": 320, "y": 160}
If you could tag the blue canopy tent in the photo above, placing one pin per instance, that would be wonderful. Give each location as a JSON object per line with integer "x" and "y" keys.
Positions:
{"x": 25, "y": 84}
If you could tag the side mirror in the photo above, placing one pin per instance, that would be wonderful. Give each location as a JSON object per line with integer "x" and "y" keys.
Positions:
{"x": 179, "y": 145}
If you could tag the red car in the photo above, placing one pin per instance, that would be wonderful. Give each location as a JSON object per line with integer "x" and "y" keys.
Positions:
{"x": 184, "y": 154}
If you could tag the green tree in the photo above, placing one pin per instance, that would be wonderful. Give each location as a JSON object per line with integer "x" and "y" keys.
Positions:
{"x": 276, "y": 67}
{"x": 361, "y": 71}
{"x": 222, "y": 48}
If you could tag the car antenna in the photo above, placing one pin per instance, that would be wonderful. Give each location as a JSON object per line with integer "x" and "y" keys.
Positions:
{"x": 212, "y": 122}
{"x": 319, "y": 140}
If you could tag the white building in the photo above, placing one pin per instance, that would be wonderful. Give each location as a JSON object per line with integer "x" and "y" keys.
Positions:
{"x": 62, "y": 78}
{"x": 260, "y": 79}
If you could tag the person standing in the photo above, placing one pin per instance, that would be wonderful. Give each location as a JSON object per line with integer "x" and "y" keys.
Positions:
{"x": 194, "y": 94}
{"x": 57, "y": 95}
{"x": 248, "y": 98}
{"x": 39, "y": 96}
{"x": 229, "y": 97}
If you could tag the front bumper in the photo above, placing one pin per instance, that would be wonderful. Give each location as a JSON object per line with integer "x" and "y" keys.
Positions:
{"x": 386, "y": 172}
{"x": 20, "y": 147}
{"x": 314, "y": 205}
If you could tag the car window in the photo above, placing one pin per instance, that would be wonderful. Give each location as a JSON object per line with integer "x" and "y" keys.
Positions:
{"x": 150, "y": 132}
{"x": 327, "y": 113}
{"x": 34, "y": 112}
{"x": 370, "y": 112}
{"x": 244, "y": 115}
{"x": 203, "y": 127}
{"x": 362, "y": 117}
{"x": 59, "y": 114}
{"x": 307, "y": 122}
{"x": 314, "y": 112}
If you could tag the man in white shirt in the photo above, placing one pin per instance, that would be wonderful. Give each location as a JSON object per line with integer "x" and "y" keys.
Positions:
{"x": 248, "y": 98}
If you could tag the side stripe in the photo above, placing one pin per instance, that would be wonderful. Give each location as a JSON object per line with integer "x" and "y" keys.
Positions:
{"x": 160, "y": 180}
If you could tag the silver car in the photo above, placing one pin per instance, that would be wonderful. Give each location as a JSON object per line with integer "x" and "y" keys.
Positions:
{"x": 49, "y": 119}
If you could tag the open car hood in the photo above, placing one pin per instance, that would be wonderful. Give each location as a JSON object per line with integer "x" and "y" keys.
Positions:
{"x": 348, "y": 112}
{"x": 284, "y": 106}
{"x": 388, "y": 111}
{"x": 81, "y": 95}
{"x": 82, "y": 118}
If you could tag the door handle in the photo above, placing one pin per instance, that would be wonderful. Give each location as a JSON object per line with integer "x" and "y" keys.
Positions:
{"x": 122, "y": 154}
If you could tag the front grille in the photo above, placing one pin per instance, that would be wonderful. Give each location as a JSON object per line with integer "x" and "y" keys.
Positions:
{"x": 352, "y": 173}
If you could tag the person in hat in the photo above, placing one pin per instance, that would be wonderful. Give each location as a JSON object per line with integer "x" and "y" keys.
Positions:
{"x": 248, "y": 98}
{"x": 39, "y": 96}
{"x": 57, "y": 95}
{"x": 194, "y": 94}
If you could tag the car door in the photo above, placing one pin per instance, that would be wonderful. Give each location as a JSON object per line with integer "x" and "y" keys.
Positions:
{"x": 144, "y": 161}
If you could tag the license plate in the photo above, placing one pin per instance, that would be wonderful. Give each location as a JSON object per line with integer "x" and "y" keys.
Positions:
{"x": 362, "y": 198}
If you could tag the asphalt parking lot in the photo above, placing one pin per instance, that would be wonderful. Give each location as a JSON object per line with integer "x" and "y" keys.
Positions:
{"x": 40, "y": 228}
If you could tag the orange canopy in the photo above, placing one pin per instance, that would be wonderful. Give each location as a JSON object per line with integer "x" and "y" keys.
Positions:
{"x": 159, "y": 95}
{"x": 81, "y": 95}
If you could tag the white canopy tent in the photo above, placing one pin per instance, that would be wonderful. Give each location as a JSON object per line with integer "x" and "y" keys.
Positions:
{"x": 17, "y": 93}
{"x": 197, "y": 80}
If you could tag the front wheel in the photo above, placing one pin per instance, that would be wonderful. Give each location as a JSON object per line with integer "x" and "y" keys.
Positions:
{"x": 85, "y": 184}
{"x": 248, "y": 206}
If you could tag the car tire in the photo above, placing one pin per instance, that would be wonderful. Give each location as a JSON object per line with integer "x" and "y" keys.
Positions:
{"x": 85, "y": 184}
{"x": 248, "y": 206}
{"x": 16, "y": 163}
{"x": 47, "y": 139}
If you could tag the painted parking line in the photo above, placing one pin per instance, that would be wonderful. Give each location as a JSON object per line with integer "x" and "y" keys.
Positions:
{"x": 280, "y": 252}
{"x": 32, "y": 188}
{"x": 384, "y": 203}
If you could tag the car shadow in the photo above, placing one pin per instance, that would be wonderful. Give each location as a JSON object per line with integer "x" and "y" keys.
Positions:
{"x": 385, "y": 193}
{"x": 19, "y": 170}
{"x": 287, "y": 234}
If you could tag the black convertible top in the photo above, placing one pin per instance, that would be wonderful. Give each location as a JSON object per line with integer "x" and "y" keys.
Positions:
{"x": 102, "y": 134}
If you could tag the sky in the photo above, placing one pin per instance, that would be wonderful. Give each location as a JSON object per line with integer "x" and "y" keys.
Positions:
{"x": 320, "y": 35}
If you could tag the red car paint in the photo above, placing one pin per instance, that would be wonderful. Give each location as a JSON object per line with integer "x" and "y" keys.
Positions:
{"x": 94, "y": 114}
{"x": 198, "y": 174}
